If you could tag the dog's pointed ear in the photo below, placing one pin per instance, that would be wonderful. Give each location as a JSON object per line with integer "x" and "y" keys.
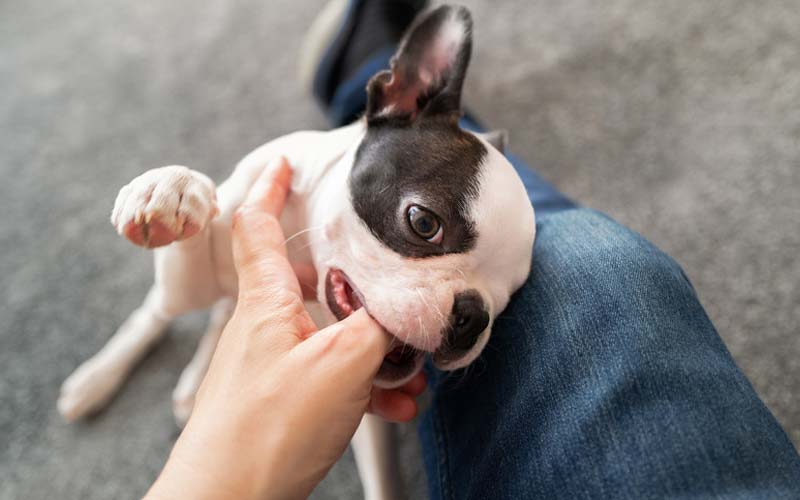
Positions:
{"x": 497, "y": 138}
{"x": 427, "y": 72}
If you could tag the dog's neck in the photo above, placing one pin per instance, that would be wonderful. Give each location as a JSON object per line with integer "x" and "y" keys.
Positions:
{"x": 317, "y": 184}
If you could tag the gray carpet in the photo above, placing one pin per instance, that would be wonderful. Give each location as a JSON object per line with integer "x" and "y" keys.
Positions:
{"x": 681, "y": 119}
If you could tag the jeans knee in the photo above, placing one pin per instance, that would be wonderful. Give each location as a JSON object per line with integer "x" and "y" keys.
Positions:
{"x": 587, "y": 252}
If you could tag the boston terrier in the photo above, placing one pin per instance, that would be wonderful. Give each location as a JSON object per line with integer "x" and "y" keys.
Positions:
{"x": 424, "y": 224}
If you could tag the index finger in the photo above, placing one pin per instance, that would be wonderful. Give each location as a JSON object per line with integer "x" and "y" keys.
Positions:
{"x": 258, "y": 241}
{"x": 270, "y": 190}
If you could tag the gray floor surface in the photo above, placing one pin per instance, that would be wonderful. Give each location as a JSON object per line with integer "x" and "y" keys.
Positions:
{"x": 681, "y": 119}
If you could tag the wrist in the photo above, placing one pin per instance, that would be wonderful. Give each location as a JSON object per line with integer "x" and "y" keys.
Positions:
{"x": 180, "y": 479}
{"x": 225, "y": 462}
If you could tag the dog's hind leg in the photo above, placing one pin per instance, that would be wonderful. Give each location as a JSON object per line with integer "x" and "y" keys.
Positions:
{"x": 376, "y": 458}
{"x": 93, "y": 384}
{"x": 184, "y": 282}
{"x": 183, "y": 395}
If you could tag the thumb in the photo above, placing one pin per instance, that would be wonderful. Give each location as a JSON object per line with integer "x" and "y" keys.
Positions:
{"x": 355, "y": 346}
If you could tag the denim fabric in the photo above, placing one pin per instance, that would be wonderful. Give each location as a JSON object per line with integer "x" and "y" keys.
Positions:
{"x": 323, "y": 86}
{"x": 604, "y": 378}
{"x": 350, "y": 99}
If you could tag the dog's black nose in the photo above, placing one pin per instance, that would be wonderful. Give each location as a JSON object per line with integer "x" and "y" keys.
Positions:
{"x": 467, "y": 321}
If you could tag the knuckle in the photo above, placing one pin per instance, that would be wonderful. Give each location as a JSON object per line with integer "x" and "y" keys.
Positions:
{"x": 288, "y": 303}
{"x": 282, "y": 302}
{"x": 271, "y": 224}
{"x": 256, "y": 220}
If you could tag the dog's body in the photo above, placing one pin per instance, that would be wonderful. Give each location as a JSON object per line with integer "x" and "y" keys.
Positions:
{"x": 401, "y": 212}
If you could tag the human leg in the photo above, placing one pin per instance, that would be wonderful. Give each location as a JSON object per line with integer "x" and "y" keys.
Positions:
{"x": 604, "y": 378}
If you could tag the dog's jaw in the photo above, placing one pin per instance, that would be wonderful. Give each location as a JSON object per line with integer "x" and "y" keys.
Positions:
{"x": 402, "y": 362}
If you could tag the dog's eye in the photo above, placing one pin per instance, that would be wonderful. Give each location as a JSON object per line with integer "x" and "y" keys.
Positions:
{"x": 425, "y": 224}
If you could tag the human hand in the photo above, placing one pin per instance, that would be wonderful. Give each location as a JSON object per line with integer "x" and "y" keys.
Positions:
{"x": 281, "y": 400}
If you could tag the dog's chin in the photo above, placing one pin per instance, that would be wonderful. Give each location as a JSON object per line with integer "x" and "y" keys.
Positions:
{"x": 403, "y": 361}
{"x": 447, "y": 362}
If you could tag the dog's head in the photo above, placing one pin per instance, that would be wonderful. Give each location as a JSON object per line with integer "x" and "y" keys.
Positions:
{"x": 437, "y": 230}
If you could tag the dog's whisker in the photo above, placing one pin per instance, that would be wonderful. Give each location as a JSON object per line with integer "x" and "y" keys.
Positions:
{"x": 304, "y": 246}
{"x": 427, "y": 305}
{"x": 308, "y": 287}
{"x": 443, "y": 322}
{"x": 423, "y": 329}
{"x": 463, "y": 275}
{"x": 303, "y": 231}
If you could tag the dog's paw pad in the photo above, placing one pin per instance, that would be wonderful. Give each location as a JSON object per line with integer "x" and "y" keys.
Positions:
{"x": 164, "y": 205}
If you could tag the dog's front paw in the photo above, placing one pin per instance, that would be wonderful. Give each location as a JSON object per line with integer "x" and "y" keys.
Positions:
{"x": 164, "y": 205}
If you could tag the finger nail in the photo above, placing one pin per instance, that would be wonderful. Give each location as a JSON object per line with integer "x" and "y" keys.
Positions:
{"x": 276, "y": 162}
{"x": 274, "y": 165}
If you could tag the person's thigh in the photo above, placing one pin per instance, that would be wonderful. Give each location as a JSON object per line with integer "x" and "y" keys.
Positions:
{"x": 604, "y": 378}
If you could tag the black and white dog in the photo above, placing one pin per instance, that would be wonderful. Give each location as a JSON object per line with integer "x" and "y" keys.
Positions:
{"x": 424, "y": 224}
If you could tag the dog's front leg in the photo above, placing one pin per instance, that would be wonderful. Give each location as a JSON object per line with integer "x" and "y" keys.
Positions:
{"x": 376, "y": 458}
{"x": 157, "y": 208}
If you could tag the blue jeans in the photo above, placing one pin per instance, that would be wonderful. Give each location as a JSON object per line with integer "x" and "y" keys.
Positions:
{"x": 604, "y": 378}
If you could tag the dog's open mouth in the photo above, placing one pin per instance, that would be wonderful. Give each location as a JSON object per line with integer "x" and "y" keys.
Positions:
{"x": 343, "y": 300}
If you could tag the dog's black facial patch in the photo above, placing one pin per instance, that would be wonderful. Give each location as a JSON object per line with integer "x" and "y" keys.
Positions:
{"x": 414, "y": 152}
{"x": 431, "y": 163}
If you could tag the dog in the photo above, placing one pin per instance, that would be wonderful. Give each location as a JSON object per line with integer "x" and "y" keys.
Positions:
{"x": 424, "y": 224}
